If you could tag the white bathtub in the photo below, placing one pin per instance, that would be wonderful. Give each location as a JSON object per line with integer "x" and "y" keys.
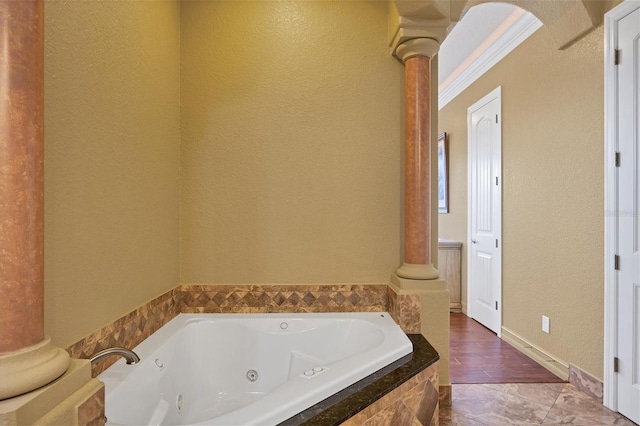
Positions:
{"x": 247, "y": 369}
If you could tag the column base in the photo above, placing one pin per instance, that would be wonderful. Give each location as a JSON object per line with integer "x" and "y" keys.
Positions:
{"x": 417, "y": 271}
{"x": 72, "y": 399}
{"x": 31, "y": 368}
{"x": 434, "y": 315}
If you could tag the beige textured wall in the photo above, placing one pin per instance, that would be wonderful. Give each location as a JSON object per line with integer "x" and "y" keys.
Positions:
{"x": 552, "y": 194}
{"x": 291, "y": 155}
{"x": 112, "y": 111}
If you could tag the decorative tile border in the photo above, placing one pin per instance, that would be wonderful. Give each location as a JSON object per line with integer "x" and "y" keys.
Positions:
{"x": 129, "y": 330}
{"x": 586, "y": 383}
{"x": 284, "y": 298}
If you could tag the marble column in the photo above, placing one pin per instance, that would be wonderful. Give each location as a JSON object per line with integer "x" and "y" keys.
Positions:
{"x": 27, "y": 359}
{"x": 416, "y": 55}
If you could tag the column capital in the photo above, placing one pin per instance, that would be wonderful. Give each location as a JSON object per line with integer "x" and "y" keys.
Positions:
{"x": 417, "y": 47}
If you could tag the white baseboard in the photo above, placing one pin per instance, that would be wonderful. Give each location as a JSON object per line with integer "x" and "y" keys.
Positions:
{"x": 548, "y": 361}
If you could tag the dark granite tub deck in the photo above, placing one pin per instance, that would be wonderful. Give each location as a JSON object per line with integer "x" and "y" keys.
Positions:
{"x": 348, "y": 402}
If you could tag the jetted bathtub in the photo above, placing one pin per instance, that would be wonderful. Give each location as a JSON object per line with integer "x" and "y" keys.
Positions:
{"x": 247, "y": 369}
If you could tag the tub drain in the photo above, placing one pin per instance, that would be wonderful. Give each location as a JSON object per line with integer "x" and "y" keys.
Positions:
{"x": 252, "y": 375}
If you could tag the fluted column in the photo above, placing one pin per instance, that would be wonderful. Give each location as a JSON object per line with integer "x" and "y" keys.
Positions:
{"x": 27, "y": 359}
{"x": 416, "y": 55}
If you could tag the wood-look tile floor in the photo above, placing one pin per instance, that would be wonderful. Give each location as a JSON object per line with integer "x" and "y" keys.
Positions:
{"x": 479, "y": 356}
{"x": 495, "y": 385}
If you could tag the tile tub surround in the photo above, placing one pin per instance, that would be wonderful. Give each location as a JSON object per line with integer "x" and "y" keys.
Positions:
{"x": 445, "y": 396}
{"x": 405, "y": 310}
{"x": 91, "y": 411}
{"x": 412, "y": 405}
{"x": 278, "y": 298}
{"x": 131, "y": 329}
{"x": 403, "y": 393}
{"x": 134, "y": 327}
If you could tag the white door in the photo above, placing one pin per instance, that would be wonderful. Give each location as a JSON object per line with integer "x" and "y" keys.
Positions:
{"x": 484, "y": 271}
{"x": 628, "y": 221}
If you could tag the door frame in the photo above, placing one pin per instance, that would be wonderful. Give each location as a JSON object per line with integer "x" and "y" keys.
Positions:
{"x": 494, "y": 94}
{"x": 610, "y": 382}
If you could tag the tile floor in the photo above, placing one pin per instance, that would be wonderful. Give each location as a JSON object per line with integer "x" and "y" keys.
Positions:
{"x": 525, "y": 404}
{"x": 496, "y": 385}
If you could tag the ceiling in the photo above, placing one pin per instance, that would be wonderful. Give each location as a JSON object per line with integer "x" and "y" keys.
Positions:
{"x": 471, "y": 36}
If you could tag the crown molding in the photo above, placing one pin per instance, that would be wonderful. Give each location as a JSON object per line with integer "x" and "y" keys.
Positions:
{"x": 511, "y": 38}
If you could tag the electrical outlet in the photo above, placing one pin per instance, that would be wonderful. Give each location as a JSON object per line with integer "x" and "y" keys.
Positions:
{"x": 545, "y": 324}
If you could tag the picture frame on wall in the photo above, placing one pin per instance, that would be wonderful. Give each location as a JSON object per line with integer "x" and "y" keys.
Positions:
{"x": 443, "y": 176}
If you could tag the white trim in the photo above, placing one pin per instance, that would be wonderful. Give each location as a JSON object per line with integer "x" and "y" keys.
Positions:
{"x": 521, "y": 29}
{"x": 551, "y": 362}
{"x": 611, "y": 18}
{"x": 494, "y": 94}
